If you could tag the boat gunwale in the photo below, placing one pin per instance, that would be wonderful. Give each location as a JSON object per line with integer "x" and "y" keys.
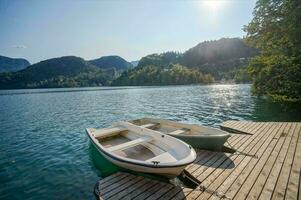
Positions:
{"x": 193, "y": 128}
{"x": 140, "y": 163}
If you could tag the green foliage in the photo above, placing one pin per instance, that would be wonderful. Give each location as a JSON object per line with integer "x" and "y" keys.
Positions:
{"x": 12, "y": 64}
{"x": 174, "y": 74}
{"x": 67, "y": 71}
{"x": 204, "y": 63}
{"x": 111, "y": 62}
{"x": 221, "y": 58}
{"x": 163, "y": 59}
{"x": 218, "y": 52}
{"x": 242, "y": 76}
{"x": 275, "y": 30}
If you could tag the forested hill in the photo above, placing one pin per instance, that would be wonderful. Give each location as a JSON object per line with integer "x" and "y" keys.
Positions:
{"x": 112, "y": 62}
{"x": 12, "y": 64}
{"x": 68, "y": 71}
{"x": 205, "y": 63}
{"x": 217, "y": 51}
{"x": 224, "y": 59}
{"x": 221, "y": 58}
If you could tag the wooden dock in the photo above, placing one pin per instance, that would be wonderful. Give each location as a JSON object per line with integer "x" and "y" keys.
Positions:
{"x": 266, "y": 165}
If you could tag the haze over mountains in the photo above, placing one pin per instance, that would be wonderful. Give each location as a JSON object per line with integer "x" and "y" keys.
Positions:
{"x": 12, "y": 64}
{"x": 204, "y": 63}
{"x": 116, "y": 62}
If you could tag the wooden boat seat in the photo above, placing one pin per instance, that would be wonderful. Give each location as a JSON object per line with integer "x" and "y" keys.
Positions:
{"x": 129, "y": 144}
{"x": 149, "y": 125}
{"x": 180, "y": 131}
{"x": 107, "y": 132}
{"x": 164, "y": 157}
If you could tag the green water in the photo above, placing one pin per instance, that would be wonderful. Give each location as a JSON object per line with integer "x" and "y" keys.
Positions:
{"x": 45, "y": 153}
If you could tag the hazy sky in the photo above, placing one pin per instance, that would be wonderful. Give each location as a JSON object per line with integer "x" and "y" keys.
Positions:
{"x": 42, "y": 29}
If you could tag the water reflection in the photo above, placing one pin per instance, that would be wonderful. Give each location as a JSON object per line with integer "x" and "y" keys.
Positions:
{"x": 103, "y": 166}
{"x": 44, "y": 149}
{"x": 272, "y": 111}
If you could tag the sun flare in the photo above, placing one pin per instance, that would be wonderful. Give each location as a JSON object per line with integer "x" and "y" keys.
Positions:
{"x": 213, "y": 5}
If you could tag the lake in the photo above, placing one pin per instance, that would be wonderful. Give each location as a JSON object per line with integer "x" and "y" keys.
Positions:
{"x": 45, "y": 153}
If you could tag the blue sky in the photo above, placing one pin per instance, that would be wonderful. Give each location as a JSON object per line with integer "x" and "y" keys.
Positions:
{"x": 42, "y": 29}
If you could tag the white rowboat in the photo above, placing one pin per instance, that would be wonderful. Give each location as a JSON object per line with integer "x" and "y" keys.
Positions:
{"x": 197, "y": 136}
{"x": 141, "y": 149}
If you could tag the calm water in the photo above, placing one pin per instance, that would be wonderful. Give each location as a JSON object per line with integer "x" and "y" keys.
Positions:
{"x": 45, "y": 154}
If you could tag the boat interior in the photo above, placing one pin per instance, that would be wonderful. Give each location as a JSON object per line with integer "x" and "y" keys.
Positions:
{"x": 162, "y": 126}
{"x": 175, "y": 128}
{"x": 132, "y": 145}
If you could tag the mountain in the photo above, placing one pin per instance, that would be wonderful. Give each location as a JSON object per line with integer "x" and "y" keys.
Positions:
{"x": 135, "y": 63}
{"x": 209, "y": 61}
{"x": 12, "y": 64}
{"x": 112, "y": 62}
{"x": 224, "y": 59}
{"x": 174, "y": 74}
{"x": 221, "y": 58}
{"x": 163, "y": 59}
{"x": 217, "y": 51}
{"x": 68, "y": 71}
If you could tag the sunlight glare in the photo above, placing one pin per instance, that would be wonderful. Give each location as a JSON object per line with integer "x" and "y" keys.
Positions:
{"x": 214, "y": 5}
{"x": 213, "y": 8}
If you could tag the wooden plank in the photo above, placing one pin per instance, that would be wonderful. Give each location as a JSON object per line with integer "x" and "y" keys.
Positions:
{"x": 234, "y": 137}
{"x": 281, "y": 185}
{"x": 105, "y": 190}
{"x": 217, "y": 156}
{"x": 107, "y": 183}
{"x": 161, "y": 192}
{"x": 129, "y": 144}
{"x": 182, "y": 194}
{"x": 148, "y": 125}
{"x": 240, "y": 126}
{"x": 171, "y": 193}
{"x": 211, "y": 163}
{"x": 150, "y": 191}
{"x": 292, "y": 186}
{"x": 251, "y": 165}
{"x": 236, "y": 128}
{"x": 102, "y": 181}
{"x": 142, "y": 189}
{"x": 202, "y": 162}
{"x": 235, "y": 159}
{"x": 213, "y": 167}
{"x": 273, "y": 175}
{"x": 229, "y": 175}
{"x": 99, "y": 133}
{"x": 200, "y": 155}
{"x": 252, "y": 172}
{"x": 228, "y": 123}
{"x": 213, "y": 182}
{"x": 118, "y": 187}
{"x": 127, "y": 192}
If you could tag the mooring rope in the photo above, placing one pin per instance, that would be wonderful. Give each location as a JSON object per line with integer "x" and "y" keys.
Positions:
{"x": 213, "y": 192}
{"x": 240, "y": 152}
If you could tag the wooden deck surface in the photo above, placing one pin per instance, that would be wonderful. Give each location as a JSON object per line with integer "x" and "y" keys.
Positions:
{"x": 266, "y": 165}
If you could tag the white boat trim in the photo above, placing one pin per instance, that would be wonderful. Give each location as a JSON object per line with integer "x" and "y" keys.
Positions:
{"x": 162, "y": 163}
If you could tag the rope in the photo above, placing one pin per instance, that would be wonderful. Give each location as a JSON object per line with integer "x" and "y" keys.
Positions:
{"x": 240, "y": 152}
{"x": 215, "y": 193}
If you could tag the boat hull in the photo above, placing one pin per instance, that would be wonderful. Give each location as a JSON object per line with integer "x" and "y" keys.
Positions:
{"x": 167, "y": 171}
{"x": 201, "y": 137}
{"x": 214, "y": 143}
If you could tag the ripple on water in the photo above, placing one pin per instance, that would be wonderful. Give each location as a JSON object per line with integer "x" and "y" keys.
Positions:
{"x": 45, "y": 153}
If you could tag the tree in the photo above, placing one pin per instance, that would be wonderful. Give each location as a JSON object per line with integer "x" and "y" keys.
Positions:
{"x": 276, "y": 31}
